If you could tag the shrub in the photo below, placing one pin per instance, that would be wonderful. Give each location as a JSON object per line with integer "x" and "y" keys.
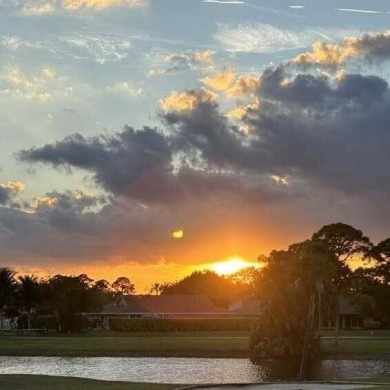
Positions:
{"x": 179, "y": 324}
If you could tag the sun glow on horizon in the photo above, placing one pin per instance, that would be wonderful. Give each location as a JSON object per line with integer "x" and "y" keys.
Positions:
{"x": 231, "y": 266}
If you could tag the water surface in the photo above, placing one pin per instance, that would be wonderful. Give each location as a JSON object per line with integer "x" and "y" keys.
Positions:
{"x": 187, "y": 370}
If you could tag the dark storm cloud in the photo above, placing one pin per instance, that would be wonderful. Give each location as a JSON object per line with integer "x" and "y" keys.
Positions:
{"x": 325, "y": 132}
{"x": 204, "y": 129}
{"x": 317, "y": 91}
{"x": 115, "y": 161}
{"x": 5, "y": 195}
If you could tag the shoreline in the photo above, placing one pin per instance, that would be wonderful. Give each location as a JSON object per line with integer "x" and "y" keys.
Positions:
{"x": 179, "y": 354}
{"x": 48, "y": 382}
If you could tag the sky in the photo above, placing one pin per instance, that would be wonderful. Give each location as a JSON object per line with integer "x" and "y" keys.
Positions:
{"x": 150, "y": 138}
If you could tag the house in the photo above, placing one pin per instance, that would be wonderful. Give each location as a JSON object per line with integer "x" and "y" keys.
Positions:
{"x": 158, "y": 306}
{"x": 349, "y": 316}
{"x": 246, "y": 308}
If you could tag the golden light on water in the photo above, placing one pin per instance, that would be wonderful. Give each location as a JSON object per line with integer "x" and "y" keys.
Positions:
{"x": 178, "y": 234}
{"x": 231, "y": 266}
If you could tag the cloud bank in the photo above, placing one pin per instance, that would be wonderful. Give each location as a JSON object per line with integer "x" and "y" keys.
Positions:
{"x": 314, "y": 144}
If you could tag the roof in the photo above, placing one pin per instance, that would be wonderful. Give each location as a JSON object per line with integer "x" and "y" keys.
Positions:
{"x": 125, "y": 304}
{"x": 346, "y": 307}
{"x": 248, "y": 308}
{"x": 162, "y": 304}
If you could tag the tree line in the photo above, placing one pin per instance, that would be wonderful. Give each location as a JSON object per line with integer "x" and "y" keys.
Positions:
{"x": 28, "y": 298}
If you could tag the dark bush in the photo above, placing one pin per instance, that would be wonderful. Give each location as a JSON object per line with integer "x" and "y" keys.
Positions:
{"x": 179, "y": 324}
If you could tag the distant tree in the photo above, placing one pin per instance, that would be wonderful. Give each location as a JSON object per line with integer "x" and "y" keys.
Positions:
{"x": 29, "y": 295}
{"x": 381, "y": 253}
{"x": 373, "y": 283}
{"x": 156, "y": 288}
{"x": 103, "y": 285}
{"x": 219, "y": 289}
{"x": 85, "y": 279}
{"x": 344, "y": 241}
{"x": 245, "y": 281}
{"x": 7, "y": 290}
{"x": 69, "y": 297}
{"x": 123, "y": 286}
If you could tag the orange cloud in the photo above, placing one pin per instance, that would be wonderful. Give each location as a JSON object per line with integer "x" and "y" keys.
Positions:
{"x": 237, "y": 113}
{"x": 204, "y": 57}
{"x": 187, "y": 100}
{"x": 41, "y": 9}
{"x": 244, "y": 85}
{"x": 99, "y": 4}
{"x": 14, "y": 186}
{"x": 374, "y": 46}
{"x": 220, "y": 81}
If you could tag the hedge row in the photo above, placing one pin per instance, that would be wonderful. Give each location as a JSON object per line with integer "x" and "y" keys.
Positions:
{"x": 179, "y": 325}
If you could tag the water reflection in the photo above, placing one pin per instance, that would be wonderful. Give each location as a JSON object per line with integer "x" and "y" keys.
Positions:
{"x": 187, "y": 370}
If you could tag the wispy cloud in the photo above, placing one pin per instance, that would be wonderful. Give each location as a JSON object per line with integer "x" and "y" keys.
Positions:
{"x": 101, "y": 48}
{"x": 362, "y": 11}
{"x": 170, "y": 63}
{"x": 266, "y": 38}
{"x": 224, "y": 1}
{"x": 40, "y": 86}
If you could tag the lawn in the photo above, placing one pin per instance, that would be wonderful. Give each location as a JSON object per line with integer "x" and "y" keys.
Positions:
{"x": 140, "y": 345}
{"x": 358, "y": 333}
{"x": 40, "y": 382}
{"x": 363, "y": 347}
{"x": 191, "y": 344}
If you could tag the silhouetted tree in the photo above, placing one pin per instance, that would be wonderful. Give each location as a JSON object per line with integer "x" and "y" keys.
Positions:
{"x": 7, "y": 290}
{"x": 123, "y": 286}
{"x": 156, "y": 288}
{"x": 69, "y": 297}
{"x": 219, "y": 289}
{"x": 29, "y": 295}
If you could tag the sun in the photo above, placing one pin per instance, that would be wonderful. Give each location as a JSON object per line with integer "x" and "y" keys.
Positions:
{"x": 230, "y": 266}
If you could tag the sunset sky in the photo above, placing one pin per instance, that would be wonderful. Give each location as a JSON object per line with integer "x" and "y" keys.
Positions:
{"x": 150, "y": 138}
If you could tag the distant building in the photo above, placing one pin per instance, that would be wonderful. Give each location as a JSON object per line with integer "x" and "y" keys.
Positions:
{"x": 246, "y": 308}
{"x": 349, "y": 317}
{"x": 158, "y": 306}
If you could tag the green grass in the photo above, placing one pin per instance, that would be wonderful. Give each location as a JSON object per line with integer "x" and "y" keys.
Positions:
{"x": 356, "y": 346}
{"x": 110, "y": 333}
{"x": 184, "y": 344}
{"x": 358, "y": 333}
{"x": 40, "y": 382}
{"x": 188, "y": 346}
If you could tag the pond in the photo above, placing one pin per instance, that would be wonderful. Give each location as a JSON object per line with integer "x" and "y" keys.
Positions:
{"x": 187, "y": 370}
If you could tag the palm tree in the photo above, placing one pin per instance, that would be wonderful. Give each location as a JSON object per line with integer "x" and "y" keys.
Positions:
{"x": 7, "y": 290}
{"x": 156, "y": 288}
{"x": 28, "y": 291}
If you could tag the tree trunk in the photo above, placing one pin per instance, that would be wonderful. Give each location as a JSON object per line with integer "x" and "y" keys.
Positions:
{"x": 306, "y": 343}
{"x": 337, "y": 324}
{"x": 29, "y": 319}
{"x": 1, "y": 319}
